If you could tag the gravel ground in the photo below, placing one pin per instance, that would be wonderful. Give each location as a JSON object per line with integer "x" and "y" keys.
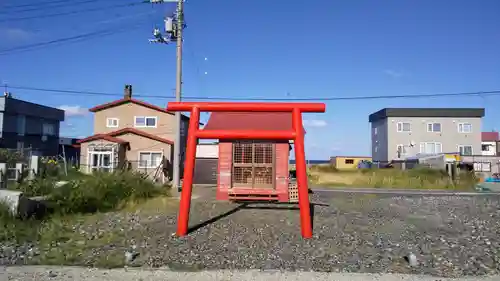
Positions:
{"x": 74, "y": 273}
{"x": 446, "y": 236}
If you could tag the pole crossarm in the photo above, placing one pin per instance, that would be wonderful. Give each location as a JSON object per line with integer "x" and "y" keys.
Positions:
{"x": 296, "y": 134}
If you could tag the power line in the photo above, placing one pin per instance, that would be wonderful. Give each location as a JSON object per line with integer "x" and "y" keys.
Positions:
{"x": 92, "y": 93}
{"x": 35, "y": 4}
{"x": 71, "y": 39}
{"x": 45, "y": 7}
{"x": 73, "y": 12}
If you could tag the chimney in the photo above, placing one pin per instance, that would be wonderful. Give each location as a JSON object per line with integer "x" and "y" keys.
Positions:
{"x": 127, "y": 93}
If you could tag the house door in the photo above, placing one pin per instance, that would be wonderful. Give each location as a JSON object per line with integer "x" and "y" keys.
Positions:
{"x": 100, "y": 161}
{"x": 253, "y": 165}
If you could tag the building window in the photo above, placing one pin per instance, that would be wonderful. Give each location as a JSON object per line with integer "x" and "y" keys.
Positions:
{"x": 376, "y": 149}
{"x": 401, "y": 149}
{"x": 482, "y": 166}
{"x": 48, "y": 129}
{"x": 465, "y": 149}
{"x": 150, "y": 159}
{"x": 145, "y": 121}
{"x": 486, "y": 147}
{"x": 349, "y": 161}
{"x": 21, "y": 125}
{"x": 375, "y": 131}
{"x": 112, "y": 122}
{"x": 434, "y": 127}
{"x": 465, "y": 128}
{"x": 430, "y": 147}
{"x": 404, "y": 127}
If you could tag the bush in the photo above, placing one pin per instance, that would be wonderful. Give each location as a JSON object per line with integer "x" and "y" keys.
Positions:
{"x": 102, "y": 192}
{"x": 326, "y": 168}
{"x": 12, "y": 229}
{"x": 37, "y": 187}
{"x": 10, "y": 157}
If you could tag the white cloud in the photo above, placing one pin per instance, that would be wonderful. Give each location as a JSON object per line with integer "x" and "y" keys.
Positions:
{"x": 73, "y": 110}
{"x": 393, "y": 73}
{"x": 16, "y": 34}
{"x": 315, "y": 123}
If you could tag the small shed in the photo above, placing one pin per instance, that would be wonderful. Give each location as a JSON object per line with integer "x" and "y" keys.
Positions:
{"x": 255, "y": 169}
{"x": 206, "y": 163}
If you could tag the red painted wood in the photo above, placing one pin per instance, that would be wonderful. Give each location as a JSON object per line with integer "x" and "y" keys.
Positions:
{"x": 297, "y": 135}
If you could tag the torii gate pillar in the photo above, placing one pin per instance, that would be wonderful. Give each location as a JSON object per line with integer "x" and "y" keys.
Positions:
{"x": 296, "y": 134}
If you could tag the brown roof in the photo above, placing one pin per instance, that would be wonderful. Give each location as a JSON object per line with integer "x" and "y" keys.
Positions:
{"x": 490, "y": 136}
{"x": 139, "y": 133}
{"x": 266, "y": 121}
{"x": 127, "y": 100}
{"x": 103, "y": 137}
{"x": 111, "y": 136}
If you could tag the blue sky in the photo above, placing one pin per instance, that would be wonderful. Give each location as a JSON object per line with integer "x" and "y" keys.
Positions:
{"x": 272, "y": 49}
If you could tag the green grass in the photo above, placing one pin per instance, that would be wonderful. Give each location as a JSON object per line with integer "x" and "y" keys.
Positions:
{"x": 84, "y": 200}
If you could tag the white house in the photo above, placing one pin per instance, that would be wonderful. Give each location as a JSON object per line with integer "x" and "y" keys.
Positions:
{"x": 489, "y": 141}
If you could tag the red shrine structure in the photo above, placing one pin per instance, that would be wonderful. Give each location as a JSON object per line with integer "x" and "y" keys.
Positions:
{"x": 253, "y": 159}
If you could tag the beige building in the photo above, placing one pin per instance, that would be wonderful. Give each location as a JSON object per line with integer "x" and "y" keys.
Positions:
{"x": 347, "y": 162}
{"x": 132, "y": 134}
{"x": 399, "y": 133}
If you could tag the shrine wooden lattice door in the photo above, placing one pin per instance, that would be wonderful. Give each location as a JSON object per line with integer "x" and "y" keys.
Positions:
{"x": 253, "y": 164}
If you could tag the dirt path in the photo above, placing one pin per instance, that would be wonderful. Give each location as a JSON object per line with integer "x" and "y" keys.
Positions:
{"x": 450, "y": 236}
{"x": 82, "y": 274}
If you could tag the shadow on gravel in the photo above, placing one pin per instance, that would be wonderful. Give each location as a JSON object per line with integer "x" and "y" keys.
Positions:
{"x": 257, "y": 206}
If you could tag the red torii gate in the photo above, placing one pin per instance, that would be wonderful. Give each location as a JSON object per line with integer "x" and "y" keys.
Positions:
{"x": 194, "y": 133}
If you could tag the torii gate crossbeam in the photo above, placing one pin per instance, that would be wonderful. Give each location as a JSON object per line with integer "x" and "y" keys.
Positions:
{"x": 296, "y": 134}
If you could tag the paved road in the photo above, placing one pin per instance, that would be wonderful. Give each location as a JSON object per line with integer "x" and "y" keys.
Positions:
{"x": 83, "y": 274}
{"x": 401, "y": 191}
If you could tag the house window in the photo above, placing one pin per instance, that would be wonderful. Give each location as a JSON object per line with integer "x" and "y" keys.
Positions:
{"x": 465, "y": 128}
{"x": 101, "y": 161}
{"x": 112, "y": 122}
{"x": 375, "y": 131}
{"x": 21, "y": 125}
{"x": 349, "y": 161}
{"x": 434, "y": 127}
{"x": 150, "y": 159}
{"x": 430, "y": 147}
{"x": 376, "y": 149}
{"x": 486, "y": 147}
{"x": 48, "y": 129}
{"x": 482, "y": 166}
{"x": 145, "y": 121}
{"x": 404, "y": 127}
{"x": 401, "y": 149}
{"x": 465, "y": 149}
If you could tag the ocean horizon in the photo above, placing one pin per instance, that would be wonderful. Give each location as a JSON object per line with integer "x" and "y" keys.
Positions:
{"x": 312, "y": 161}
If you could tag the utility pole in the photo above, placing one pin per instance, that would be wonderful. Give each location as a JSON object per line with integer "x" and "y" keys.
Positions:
{"x": 178, "y": 93}
{"x": 174, "y": 26}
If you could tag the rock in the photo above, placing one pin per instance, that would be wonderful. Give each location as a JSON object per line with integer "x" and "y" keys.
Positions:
{"x": 52, "y": 274}
{"x": 412, "y": 260}
{"x": 60, "y": 183}
{"x": 130, "y": 257}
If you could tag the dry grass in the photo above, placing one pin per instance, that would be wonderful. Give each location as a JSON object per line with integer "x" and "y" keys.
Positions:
{"x": 389, "y": 178}
{"x": 73, "y": 239}
{"x": 62, "y": 245}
